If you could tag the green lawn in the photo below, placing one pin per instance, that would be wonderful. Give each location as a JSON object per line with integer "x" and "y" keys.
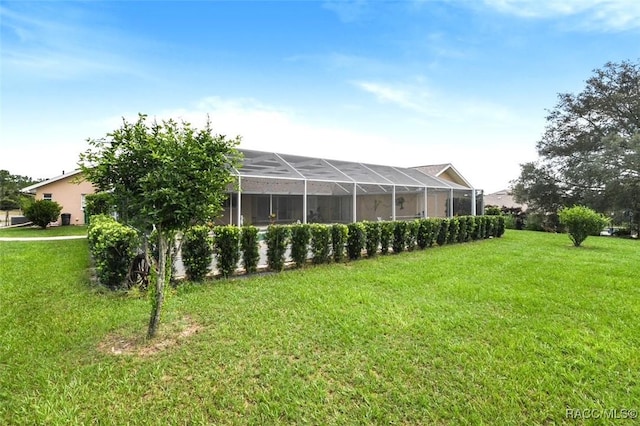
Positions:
{"x": 53, "y": 231}
{"x": 505, "y": 331}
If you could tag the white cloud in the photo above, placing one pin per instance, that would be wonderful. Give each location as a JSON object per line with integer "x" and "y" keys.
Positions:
{"x": 592, "y": 15}
{"x": 416, "y": 99}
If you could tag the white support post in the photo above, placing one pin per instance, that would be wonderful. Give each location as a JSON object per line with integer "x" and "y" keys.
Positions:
{"x": 355, "y": 200}
{"x": 451, "y": 202}
{"x": 426, "y": 204}
{"x": 393, "y": 202}
{"x": 473, "y": 202}
{"x": 304, "y": 203}
{"x": 239, "y": 201}
{"x": 270, "y": 204}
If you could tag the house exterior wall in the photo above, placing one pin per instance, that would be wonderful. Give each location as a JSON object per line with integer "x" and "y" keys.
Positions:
{"x": 69, "y": 195}
{"x": 437, "y": 203}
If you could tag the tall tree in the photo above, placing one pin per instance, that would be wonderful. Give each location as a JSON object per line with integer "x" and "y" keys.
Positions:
{"x": 163, "y": 177}
{"x": 590, "y": 150}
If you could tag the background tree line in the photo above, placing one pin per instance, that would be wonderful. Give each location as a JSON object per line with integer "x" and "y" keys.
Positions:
{"x": 10, "y": 196}
{"x": 590, "y": 149}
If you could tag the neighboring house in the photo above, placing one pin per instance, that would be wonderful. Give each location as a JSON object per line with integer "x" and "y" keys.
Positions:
{"x": 68, "y": 190}
{"x": 503, "y": 198}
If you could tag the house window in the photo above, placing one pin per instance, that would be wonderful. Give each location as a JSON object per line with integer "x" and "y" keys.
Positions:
{"x": 83, "y": 201}
{"x": 48, "y": 197}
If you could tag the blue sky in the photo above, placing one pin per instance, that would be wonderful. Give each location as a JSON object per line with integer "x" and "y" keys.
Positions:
{"x": 403, "y": 83}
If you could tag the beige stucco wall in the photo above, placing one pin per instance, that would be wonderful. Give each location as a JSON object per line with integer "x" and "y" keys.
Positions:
{"x": 68, "y": 193}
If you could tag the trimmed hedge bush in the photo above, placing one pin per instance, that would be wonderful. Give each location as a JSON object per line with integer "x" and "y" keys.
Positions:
{"x": 386, "y": 236}
{"x": 462, "y": 229}
{"x": 372, "y": 238}
{"x": 399, "y": 236}
{"x": 197, "y": 249}
{"x": 355, "y": 240}
{"x": 113, "y": 247}
{"x": 480, "y": 228}
{"x": 500, "y": 226}
{"x": 424, "y": 233}
{"x": 277, "y": 237}
{"x": 411, "y": 237}
{"x": 300, "y": 235}
{"x": 443, "y": 232}
{"x": 320, "y": 243}
{"x": 488, "y": 226}
{"x": 471, "y": 227}
{"x": 339, "y": 233}
{"x": 249, "y": 246}
{"x": 227, "y": 248}
{"x": 454, "y": 228}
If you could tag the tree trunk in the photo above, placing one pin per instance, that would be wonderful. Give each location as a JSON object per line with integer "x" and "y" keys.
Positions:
{"x": 158, "y": 297}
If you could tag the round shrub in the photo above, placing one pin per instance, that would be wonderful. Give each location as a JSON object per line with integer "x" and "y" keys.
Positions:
{"x": 580, "y": 222}
{"x": 43, "y": 212}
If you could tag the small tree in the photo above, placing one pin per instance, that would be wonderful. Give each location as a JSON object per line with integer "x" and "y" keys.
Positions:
{"x": 581, "y": 222}
{"x": 163, "y": 177}
{"x": 43, "y": 212}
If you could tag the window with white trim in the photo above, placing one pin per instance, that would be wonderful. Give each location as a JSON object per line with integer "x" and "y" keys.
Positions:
{"x": 48, "y": 197}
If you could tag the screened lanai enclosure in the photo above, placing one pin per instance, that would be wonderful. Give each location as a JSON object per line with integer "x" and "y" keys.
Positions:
{"x": 274, "y": 188}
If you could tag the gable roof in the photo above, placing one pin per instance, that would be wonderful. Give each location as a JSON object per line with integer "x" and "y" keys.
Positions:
{"x": 32, "y": 188}
{"x": 438, "y": 170}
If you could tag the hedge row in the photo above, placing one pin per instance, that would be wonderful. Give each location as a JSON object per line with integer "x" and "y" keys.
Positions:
{"x": 113, "y": 246}
{"x": 322, "y": 243}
